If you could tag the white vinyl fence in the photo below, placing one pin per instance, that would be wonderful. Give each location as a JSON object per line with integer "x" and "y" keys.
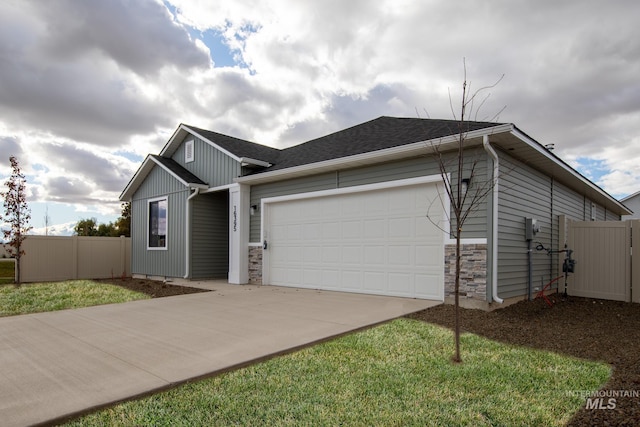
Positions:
{"x": 54, "y": 258}
{"x": 606, "y": 267}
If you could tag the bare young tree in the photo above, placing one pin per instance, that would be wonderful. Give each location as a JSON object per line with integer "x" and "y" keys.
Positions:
{"x": 463, "y": 199}
{"x": 17, "y": 213}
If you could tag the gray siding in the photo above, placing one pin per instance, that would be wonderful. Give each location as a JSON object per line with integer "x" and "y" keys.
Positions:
{"x": 210, "y": 165}
{"x": 283, "y": 188}
{"x": 525, "y": 192}
{"x": 475, "y": 226}
{"x": 170, "y": 262}
{"x": 210, "y": 236}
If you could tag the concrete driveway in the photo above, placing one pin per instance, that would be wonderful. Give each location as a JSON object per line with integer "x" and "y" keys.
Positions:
{"x": 55, "y": 365}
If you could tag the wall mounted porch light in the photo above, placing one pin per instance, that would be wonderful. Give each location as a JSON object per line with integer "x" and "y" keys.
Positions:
{"x": 465, "y": 183}
{"x": 254, "y": 209}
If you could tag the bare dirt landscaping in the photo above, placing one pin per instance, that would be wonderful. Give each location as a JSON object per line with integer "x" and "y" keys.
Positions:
{"x": 153, "y": 288}
{"x": 600, "y": 330}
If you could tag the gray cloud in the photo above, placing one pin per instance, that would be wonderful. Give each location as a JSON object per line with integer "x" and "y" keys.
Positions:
{"x": 94, "y": 170}
{"x": 9, "y": 146}
{"x": 140, "y": 35}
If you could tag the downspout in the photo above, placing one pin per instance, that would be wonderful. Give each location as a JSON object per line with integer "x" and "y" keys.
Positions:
{"x": 494, "y": 219}
{"x": 187, "y": 249}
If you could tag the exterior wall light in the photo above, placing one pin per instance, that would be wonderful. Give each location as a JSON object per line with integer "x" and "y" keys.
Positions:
{"x": 465, "y": 184}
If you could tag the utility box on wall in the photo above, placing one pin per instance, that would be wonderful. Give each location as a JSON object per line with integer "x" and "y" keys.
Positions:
{"x": 531, "y": 228}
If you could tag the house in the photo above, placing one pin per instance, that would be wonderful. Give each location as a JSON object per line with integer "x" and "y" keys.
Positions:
{"x": 632, "y": 202}
{"x": 359, "y": 210}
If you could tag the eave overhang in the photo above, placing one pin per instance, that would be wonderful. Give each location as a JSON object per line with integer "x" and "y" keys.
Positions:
{"x": 147, "y": 165}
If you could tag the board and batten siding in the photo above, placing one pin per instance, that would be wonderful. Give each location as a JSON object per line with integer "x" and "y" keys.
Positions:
{"x": 426, "y": 165}
{"x": 210, "y": 236}
{"x": 210, "y": 165}
{"x": 528, "y": 193}
{"x": 170, "y": 262}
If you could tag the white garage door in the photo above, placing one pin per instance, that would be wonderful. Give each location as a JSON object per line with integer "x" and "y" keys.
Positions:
{"x": 376, "y": 241}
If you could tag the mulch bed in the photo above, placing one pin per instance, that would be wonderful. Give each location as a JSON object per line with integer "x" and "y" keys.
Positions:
{"x": 607, "y": 331}
{"x": 153, "y": 288}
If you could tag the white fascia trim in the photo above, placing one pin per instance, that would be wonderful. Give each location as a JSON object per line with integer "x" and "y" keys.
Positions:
{"x": 219, "y": 188}
{"x": 245, "y": 161}
{"x": 479, "y": 241}
{"x": 372, "y": 155}
{"x": 186, "y": 184}
{"x": 143, "y": 169}
{"x": 540, "y": 149}
{"x": 355, "y": 189}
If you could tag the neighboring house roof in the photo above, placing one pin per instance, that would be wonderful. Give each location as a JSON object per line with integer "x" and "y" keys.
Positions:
{"x": 631, "y": 196}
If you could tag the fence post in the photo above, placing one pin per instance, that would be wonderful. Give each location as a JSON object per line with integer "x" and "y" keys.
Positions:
{"x": 635, "y": 261}
{"x": 74, "y": 257}
{"x": 123, "y": 256}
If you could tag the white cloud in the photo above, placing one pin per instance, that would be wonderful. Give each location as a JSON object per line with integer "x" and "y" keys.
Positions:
{"x": 88, "y": 89}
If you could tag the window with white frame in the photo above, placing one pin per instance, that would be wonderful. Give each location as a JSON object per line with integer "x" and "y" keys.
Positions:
{"x": 157, "y": 238}
{"x": 189, "y": 155}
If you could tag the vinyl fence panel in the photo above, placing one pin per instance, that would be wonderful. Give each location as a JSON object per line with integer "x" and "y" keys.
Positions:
{"x": 54, "y": 258}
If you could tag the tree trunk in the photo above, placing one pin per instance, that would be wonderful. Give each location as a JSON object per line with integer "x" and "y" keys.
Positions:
{"x": 457, "y": 358}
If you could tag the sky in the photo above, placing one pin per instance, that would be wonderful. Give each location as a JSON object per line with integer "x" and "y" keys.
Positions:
{"x": 88, "y": 89}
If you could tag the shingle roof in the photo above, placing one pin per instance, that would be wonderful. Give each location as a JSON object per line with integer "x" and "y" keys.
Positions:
{"x": 178, "y": 170}
{"x": 378, "y": 134}
{"x": 239, "y": 147}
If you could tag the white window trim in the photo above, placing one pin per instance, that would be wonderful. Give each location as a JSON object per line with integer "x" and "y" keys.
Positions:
{"x": 166, "y": 238}
{"x": 189, "y": 148}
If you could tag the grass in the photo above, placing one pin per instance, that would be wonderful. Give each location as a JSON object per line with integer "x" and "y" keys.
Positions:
{"x": 7, "y": 274}
{"x": 42, "y": 297}
{"x": 396, "y": 374}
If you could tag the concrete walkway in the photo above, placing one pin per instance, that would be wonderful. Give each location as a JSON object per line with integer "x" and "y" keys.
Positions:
{"x": 54, "y": 365}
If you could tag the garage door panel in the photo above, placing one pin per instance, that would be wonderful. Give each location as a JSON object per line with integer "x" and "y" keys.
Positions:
{"x": 376, "y": 241}
{"x": 374, "y": 281}
{"x": 400, "y": 227}
{"x": 312, "y": 231}
{"x": 400, "y": 256}
{"x": 331, "y": 230}
{"x": 352, "y": 255}
{"x": 374, "y": 255}
{"x": 331, "y": 254}
{"x": 311, "y": 254}
{"x": 351, "y": 229}
{"x": 351, "y": 280}
{"x": 374, "y": 228}
{"x": 401, "y": 284}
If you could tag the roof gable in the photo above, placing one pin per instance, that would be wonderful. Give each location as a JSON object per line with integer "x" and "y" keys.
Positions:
{"x": 171, "y": 166}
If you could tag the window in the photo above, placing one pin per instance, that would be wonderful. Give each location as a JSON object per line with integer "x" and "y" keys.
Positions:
{"x": 158, "y": 224}
{"x": 188, "y": 151}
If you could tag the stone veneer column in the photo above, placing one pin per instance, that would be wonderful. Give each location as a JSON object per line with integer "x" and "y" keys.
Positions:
{"x": 473, "y": 271}
{"x": 255, "y": 265}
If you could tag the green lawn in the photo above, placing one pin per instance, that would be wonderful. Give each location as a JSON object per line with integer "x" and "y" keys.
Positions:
{"x": 396, "y": 374}
{"x": 41, "y": 297}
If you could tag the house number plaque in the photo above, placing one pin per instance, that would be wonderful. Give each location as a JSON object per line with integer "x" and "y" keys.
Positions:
{"x": 235, "y": 218}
